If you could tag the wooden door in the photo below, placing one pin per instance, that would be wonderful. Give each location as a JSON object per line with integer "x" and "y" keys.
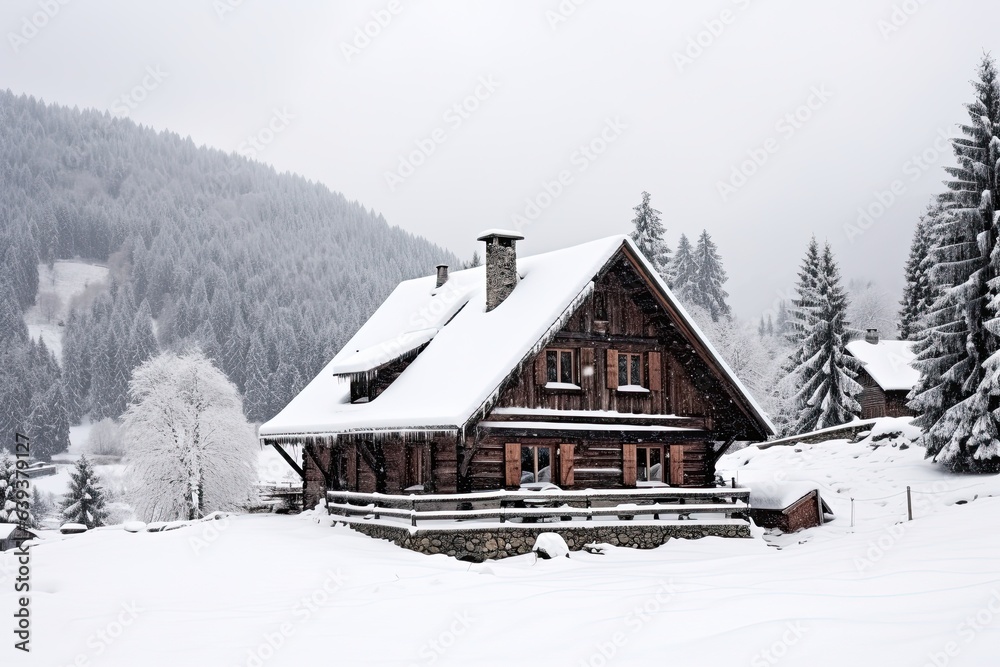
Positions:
{"x": 676, "y": 465}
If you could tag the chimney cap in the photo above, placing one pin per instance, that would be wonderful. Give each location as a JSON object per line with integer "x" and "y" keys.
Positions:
{"x": 438, "y": 266}
{"x": 499, "y": 233}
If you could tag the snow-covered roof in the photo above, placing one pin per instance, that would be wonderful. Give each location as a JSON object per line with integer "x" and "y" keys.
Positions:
{"x": 7, "y": 528}
{"x": 383, "y": 352}
{"x": 469, "y": 353}
{"x": 889, "y": 362}
{"x": 778, "y": 496}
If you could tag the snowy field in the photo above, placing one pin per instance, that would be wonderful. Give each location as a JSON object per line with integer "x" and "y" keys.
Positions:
{"x": 290, "y": 590}
{"x": 66, "y": 280}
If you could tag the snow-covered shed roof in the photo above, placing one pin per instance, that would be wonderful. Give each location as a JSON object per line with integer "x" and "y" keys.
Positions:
{"x": 7, "y": 529}
{"x": 889, "y": 362}
{"x": 469, "y": 352}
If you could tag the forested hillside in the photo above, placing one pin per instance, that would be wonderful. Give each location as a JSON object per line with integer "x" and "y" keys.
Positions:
{"x": 268, "y": 273}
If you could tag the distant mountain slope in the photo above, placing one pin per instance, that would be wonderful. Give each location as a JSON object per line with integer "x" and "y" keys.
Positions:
{"x": 268, "y": 272}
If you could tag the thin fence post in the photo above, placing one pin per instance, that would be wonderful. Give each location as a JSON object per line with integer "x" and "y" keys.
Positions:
{"x": 852, "y": 512}
{"x": 909, "y": 505}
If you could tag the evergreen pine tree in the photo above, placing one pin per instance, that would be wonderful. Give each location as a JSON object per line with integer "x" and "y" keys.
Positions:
{"x": 959, "y": 385}
{"x": 683, "y": 271}
{"x": 84, "y": 503}
{"x": 918, "y": 291}
{"x": 48, "y": 422}
{"x": 782, "y": 328}
{"x": 709, "y": 278}
{"x": 796, "y": 324}
{"x": 12, "y": 327}
{"x": 826, "y": 375}
{"x": 256, "y": 402}
{"x": 648, "y": 236}
{"x": 9, "y": 486}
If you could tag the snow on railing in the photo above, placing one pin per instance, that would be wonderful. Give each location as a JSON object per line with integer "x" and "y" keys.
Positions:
{"x": 535, "y": 505}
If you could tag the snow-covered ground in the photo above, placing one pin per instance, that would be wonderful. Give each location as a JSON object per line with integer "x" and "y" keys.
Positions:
{"x": 66, "y": 280}
{"x": 290, "y": 590}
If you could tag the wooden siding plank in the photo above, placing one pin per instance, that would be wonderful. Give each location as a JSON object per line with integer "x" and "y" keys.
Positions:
{"x": 540, "y": 369}
{"x": 512, "y": 461}
{"x": 566, "y": 465}
{"x": 655, "y": 372}
{"x": 628, "y": 465}
{"x": 676, "y": 465}
{"x": 612, "y": 369}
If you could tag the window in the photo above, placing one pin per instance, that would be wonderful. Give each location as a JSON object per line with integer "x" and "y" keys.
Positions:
{"x": 649, "y": 464}
{"x": 536, "y": 463}
{"x": 560, "y": 366}
{"x": 629, "y": 370}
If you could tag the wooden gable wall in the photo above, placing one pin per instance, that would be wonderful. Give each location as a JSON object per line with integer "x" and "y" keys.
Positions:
{"x": 679, "y": 382}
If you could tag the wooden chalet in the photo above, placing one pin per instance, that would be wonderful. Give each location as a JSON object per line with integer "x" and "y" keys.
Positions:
{"x": 577, "y": 368}
{"x": 887, "y": 375}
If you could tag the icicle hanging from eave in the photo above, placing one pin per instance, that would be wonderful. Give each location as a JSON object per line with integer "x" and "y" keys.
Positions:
{"x": 370, "y": 375}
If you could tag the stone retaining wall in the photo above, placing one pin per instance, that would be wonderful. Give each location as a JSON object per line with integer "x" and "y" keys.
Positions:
{"x": 503, "y": 541}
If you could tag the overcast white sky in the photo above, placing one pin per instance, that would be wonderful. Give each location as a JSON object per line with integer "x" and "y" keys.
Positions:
{"x": 677, "y": 130}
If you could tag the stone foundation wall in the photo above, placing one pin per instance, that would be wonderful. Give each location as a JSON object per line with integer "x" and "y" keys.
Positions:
{"x": 495, "y": 542}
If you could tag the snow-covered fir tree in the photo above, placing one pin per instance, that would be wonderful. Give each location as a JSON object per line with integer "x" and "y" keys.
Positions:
{"x": 683, "y": 271}
{"x": 918, "y": 288}
{"x": 190, "y": 448}
{"x": 10, "y": 509}
{"x": 84, "y": 502}
{"x": 707, "y": 291}
{"x": 960, "y": 370}
{"x": 825, "y": 376}
{"x": 48, "y": 422}
{"x": 648, "y": 235}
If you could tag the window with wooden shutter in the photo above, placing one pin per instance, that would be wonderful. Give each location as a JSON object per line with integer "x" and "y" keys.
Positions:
{"x": 628, "y": 465}
{"x": 566, "y": 465}
{"x": 512, "y": 464}
{"x": 655, "y": 372}
{"x": 612, "y": 369}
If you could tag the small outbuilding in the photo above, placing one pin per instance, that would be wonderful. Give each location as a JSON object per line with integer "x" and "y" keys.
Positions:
{"x": 789, "y": 507}
{"x": 887, "y": 375}
{"x": 12, "y": 536}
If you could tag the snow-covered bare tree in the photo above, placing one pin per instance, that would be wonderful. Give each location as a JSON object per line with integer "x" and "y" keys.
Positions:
{"x": 960, "y": 368}
{"x": 105, "y": 439}
{"x": 648, "y": 235}
{"x": 84, "y": 503}
{"x": 191, "y": 451}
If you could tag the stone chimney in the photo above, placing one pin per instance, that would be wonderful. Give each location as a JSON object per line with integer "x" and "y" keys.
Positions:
{"x": 442, "y": 278}
{"x": 871, "y": 336}
{"x": 501, "y": 265}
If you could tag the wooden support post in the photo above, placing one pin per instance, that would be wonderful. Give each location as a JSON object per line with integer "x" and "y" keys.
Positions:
{"x": 288, "y": 459}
